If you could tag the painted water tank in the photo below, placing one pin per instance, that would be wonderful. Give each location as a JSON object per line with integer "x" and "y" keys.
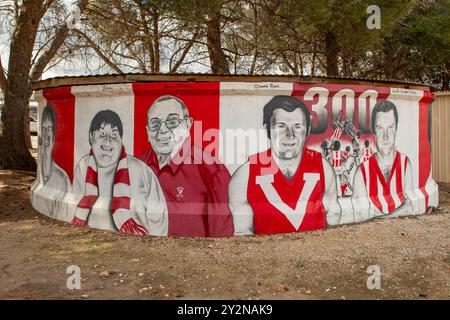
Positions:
{"x": 217, "y": 156}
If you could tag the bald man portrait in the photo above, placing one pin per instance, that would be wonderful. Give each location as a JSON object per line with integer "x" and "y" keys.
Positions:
{"x": 196, "y": 190}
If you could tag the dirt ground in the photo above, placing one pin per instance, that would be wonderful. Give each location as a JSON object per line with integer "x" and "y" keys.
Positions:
{"x": 413, "y": 254}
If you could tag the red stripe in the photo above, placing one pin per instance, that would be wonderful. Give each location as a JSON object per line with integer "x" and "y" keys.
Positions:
{"x": 363, "y": 171}
{"x": 396, "y": 169}
{"x": 427, "y": 196}
{"x": 389, "y": 200}
{"x": 122, "y": 176}
{"x": 399, "y": 182}
{"x": 91, "y": 176}
{"x": 87, "y": 202}
{"x": 424, "y": 145}
{"x": 120, "y": 203}
{"x": 63, "y": 102}
{"x": 337, "y": 133}
{"x": 373, "y": 188}
{"x": 123, "y": 154}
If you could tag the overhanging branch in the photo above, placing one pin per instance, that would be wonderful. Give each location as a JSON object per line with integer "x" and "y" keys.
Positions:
{"x": 47, "y": 55}
{"x": 3, "y": 80}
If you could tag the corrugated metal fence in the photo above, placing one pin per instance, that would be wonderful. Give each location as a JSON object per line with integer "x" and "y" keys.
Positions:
{"x": 441, "y": 137}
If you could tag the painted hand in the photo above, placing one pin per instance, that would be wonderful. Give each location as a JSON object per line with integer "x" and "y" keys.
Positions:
{"x": 78, "y": 222}
{"x": 132, "y": 227}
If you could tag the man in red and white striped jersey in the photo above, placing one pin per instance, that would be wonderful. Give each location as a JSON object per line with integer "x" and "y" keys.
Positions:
{"x": 382, "y": 182}
{"x": 366, "y": 152}
{"x": 336, "y": 162}
{"x": 336, "y": 156}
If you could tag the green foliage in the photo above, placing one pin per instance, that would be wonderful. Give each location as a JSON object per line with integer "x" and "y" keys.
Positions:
{"x": 293, "y": 36}
{"x": 423, "y": 40}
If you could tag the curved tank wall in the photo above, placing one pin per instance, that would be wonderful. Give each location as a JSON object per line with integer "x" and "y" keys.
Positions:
{"x": 222, "y": 158}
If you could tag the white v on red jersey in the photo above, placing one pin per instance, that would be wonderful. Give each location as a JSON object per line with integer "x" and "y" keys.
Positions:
{"x": 281, "y": 205}
{"x": 386, "y": 196}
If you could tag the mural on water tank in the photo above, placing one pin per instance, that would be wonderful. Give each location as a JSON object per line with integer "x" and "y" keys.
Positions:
{"x": 120, "y": 192}
{"x": 216, "y": 159}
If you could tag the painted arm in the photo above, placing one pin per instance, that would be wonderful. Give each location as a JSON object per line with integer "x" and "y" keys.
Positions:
{"x": 61, "y": 202}
{"x": 330, "y": 202}
{"x": 220, "y": 219}
{"x": 240, "y": 208}
{"x": 79, "y": 179}
{"x": 153, "y": 213}
{"x": 78, "y": 191}
{"x": 360, "y": 202}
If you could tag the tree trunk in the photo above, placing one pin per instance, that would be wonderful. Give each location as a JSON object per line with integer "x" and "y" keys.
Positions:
{"x": 156, "y": 42}
{"x": 256, "y": 39}
{"x": 15, "y": 154}
{"x": 313, "y": 63}
{"x": 26, "y": 124}
{"x": 388, "y": 59}
{"x": 446, "y": 77}
{"x": 14, "y": 123}
{"x": 332, "y": 52}
{"x": 217, "y": 58}
{"x": 14, "y": 150}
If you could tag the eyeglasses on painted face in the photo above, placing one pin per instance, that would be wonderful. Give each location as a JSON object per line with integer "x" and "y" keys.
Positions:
{"x": 171, "y": 123}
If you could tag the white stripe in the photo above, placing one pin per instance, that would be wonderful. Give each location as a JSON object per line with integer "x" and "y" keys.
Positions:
{"x": 431, "y": 188}
{"x": 82, "y": 213}
{"x": 381, "y": 198}
{"x": 365, "y": 166}
{"x": 421, "y": 201}
{"x": 393, "y": 188}
{"x": 411, "y": 195}
{"x": 403, "y": 170}
{"x": 91, "y": 190}
{"x": 92, "y": 163}
{"x": 123, "y": 164}
{"x": 121, "y": 190}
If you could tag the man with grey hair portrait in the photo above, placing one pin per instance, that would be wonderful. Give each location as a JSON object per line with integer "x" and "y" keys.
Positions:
{"x": 195, "y": 184}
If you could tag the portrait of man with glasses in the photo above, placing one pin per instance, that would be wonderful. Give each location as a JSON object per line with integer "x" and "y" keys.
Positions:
{"x": 51, "y": 177}
{"x": 195, "y": 184}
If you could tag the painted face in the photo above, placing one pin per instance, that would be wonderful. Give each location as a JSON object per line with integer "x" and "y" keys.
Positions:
{"x": 288, "y": 133}
{"x": 48, "y": 138}
{"x": 106, "y": 145}
{"x": 167, "y": 126}
{"x": 385, "y": 131}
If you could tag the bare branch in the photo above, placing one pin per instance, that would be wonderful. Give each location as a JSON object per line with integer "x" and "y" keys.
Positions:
{"x": 58, "y": 40}
{"x": 99, "y": 52}
{"x": 3, "y": 80}
{"x": 185, "y": 52}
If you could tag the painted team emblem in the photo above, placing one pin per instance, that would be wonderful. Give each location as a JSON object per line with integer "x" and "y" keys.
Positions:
{"x": 180, "y": 192}
{"x": 296, "y": 216}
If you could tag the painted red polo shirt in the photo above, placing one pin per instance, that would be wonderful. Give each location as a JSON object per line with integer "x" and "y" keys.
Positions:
{"x": 196, "y": 193}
